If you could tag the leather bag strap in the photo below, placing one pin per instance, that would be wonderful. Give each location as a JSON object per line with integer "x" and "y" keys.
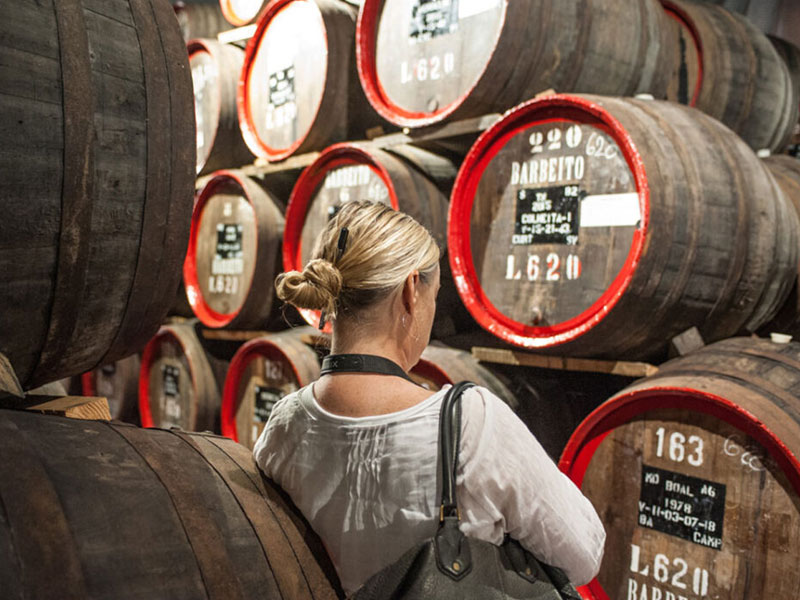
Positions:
{"x": 449, "y": 442}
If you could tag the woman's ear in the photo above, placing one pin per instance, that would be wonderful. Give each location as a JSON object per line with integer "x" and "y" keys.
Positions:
{"x": 411, "y": 292}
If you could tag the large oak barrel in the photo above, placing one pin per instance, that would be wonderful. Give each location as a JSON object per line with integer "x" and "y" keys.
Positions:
{"x": 118, "y": 383}
{"x": 421, "y": 62}
{"x": 234, "y": 252}
{"x": 786, "y": 171}
{"x": 299, "y": 90}
{"x": 597, "y": 226}
{"x": 409, "y": 179}
{"x": 695, "y": 474}
{"x": 109, "y": 511}
{"x": 215, "y": 77}
{"x": 179, "y": 382}
{"x": 200, "y": 20}
{"x": 96, "y": 180}
{"x": 261, "y": 373}
{"x": 241, "y": 12}
{"x": 728, "y": 69}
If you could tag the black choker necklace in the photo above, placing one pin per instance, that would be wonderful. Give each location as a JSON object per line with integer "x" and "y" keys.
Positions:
{"x": 362, "y": 363}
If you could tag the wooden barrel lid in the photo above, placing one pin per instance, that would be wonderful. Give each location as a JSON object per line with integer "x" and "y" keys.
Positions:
{"x": 346, "y": 172}
{"x": 207, "y": 100}
{"x": 294, "y": 81}
{"x": 559, "y": 188}
{"x": 233, "y": 252}
{"x": 565, "y": 215}
{"x": 241, "y": 12}
{"x": 176, "y": 384}
{"x": 442, "y": 49}
{"x": 261, "y": 373}
{"x": 695, "y": 473}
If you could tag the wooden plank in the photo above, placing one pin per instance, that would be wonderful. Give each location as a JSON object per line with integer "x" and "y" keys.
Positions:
{"x": 515, "y": 357}
{"x": 9, "y": 384}
{"x": 75, "y": 407}
{"x": 239, "y": 34}
{"x": 449, "y": 129}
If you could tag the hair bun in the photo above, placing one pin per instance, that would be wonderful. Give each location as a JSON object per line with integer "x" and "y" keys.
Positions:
{"x": 317, "y": 287}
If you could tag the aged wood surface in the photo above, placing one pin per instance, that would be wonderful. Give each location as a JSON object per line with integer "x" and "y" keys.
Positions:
{"x": 119, "y": 383}
{"x": 98, "y": 119}
{"x": 114, "y": 512}
{"x": 200, "y": 20}
{"x": 733, "y": 73}
{"x": 700, "y": 497}
{"x": 421, "y": 63}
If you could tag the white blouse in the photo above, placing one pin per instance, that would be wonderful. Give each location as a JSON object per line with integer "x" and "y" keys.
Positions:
{"x": 368, "y": 486}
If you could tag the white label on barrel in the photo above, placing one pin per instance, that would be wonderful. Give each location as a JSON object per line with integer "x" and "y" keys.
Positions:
{"x": 282, "y": 106}
{"x": 170, "y": 400}
{"x": 611, "y": 210}
{"x": 228, "y": 257}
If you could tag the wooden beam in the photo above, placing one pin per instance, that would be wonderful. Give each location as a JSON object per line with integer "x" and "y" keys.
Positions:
{"x": 526, "y": 359}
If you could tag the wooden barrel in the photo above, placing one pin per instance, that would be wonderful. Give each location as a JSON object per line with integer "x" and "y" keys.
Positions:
{"x": 299, "y": 90}
{"x": 441, "y": 365}
{"x": 409, "y": 179}
{"x": 234, "y": 252}
{"x": 200, "y": 20}
{"x": 786, "y": 171}
{"x": 109, "y": 511}
{"x": 791, "y": 56}
{"x": 119, "y": 383}
{"x": 179, "y": 383}
{"x": 241, "y": 12}
{"x": 695, "y": 474}
{"x": 598, "y": 226}
{"x": 96, "y": 180}
{"x": 215, "y": 75}
{"x": 420, "y": 62}
{"x": 728, "y": 69}
{"x": 261, "y": 373}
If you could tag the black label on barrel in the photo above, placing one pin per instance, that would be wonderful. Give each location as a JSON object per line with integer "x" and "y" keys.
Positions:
{"x": 229, "y": 241}
{"x": 547, "y": 215}
{"x": 266, "y": 397}
{"x": 687, "y": 507}
{"x": 281, "y": 87}
{"x": 171, "y": 377}
{"x": 432, "y": 18}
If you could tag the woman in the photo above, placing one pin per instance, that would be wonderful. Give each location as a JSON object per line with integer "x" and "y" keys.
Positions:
{"x": 357, "y": 451}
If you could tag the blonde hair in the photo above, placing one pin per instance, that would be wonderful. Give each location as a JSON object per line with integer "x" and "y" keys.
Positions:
{"x": 383, "y": 248}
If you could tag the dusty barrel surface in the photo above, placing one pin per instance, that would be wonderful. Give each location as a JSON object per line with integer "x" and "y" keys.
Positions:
{"x": 601, "y": 226}
{"x": 234, "y": 252}
{"x": 241, "y": 12}
{"x": 200, "y": 20}
{"x": 728, "y": 69}
{"x": 299, "y": 90}
{"x": 261, "y": 373}
{"x": 118, "y": 382}
{"x": 786, "y": 171}
{"x": 96, "y": 180}
{"x": 215, "y": 77}
{"x": 694, "y": 472}
{"x": 110, "y": 511}
{"x": 408, "y": 179}
{"x": 179, "y": 383}
{"x": 421, "y": 62}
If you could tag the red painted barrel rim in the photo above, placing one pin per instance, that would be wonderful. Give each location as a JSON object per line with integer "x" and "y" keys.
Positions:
{"x": 366, "y": 35}
{"x": 430, "y": 370}
{"x": 619, "y": 410}
{"x": 249, "y": 132}
{"x": 87, "y": 384}
{"x": 231, "y": 16}
{"x": 300, "y": 199}
{"x": 207, "y": 315}
{"x": 567, "y": 108}
{"x": 193, "y": 47}
{"x": 145, "y": 414}
{"x": 239, "y": 363}
{"x": 682, "y": 17}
